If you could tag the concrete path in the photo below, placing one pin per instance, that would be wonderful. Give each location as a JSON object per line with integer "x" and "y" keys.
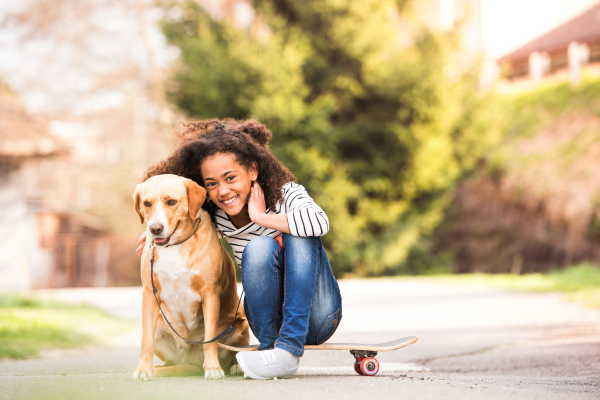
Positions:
{"x": 474, "y": 343}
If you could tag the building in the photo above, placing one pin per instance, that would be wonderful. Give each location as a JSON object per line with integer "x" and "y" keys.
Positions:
{"x": 563, "y": 51}
{"x": 42, "y": 245}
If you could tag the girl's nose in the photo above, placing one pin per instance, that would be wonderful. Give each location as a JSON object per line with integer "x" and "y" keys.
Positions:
{"x": 222, "y": 192}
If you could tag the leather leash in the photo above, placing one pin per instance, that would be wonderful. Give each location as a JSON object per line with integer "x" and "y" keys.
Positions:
{"x": 227, "y": 330}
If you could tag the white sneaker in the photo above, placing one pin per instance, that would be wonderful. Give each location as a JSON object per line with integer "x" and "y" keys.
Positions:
{"x": 264, "y": 365}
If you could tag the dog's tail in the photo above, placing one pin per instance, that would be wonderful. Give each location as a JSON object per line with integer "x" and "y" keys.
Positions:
{"x": 177, "y": 370}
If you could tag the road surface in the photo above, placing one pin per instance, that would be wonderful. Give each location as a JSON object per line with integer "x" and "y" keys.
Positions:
{"x": 475, "y": 343}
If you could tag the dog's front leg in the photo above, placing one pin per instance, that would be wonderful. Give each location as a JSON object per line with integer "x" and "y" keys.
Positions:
{"x": 149, "y": 319}
{"x": 211, "y": 305}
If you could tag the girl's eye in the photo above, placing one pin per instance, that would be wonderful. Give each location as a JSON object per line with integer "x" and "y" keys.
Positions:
{"x": 171, "y": 202}
{"x": 230, "y": 177}
{"x": 147, "y": 204}
{"x": 210, "y": 184}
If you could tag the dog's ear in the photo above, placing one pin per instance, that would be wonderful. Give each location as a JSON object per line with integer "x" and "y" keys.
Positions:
{"x": 136, "y": 202}
{"x": 196, "y": 195}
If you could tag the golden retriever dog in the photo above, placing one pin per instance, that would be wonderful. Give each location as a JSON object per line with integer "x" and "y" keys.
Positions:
{"x": 195, "y": 284}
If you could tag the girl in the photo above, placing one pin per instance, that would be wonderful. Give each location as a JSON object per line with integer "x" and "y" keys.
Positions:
{"x": 274, "y": 229}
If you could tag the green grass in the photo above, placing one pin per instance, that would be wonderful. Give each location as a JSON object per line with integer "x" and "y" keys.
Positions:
{"x": 579, "y": 283}
{"x": 29, "y": 325}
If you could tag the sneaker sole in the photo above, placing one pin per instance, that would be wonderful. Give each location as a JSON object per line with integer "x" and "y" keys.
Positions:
{"x": 247, "y": 372}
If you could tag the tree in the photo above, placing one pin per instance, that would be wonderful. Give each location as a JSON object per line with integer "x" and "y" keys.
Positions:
{"x": 377, "y": 130}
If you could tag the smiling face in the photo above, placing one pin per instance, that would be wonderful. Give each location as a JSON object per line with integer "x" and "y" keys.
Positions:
{"x": 228, "y": 182}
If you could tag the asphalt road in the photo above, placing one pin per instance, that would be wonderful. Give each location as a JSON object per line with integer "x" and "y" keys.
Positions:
{"x": 474, "y": 343}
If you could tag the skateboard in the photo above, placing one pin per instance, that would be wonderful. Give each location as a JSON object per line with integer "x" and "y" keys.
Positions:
{"x": 364, "y": 354}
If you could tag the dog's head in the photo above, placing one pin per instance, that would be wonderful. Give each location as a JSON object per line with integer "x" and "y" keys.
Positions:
{"x": 167, "y": 203}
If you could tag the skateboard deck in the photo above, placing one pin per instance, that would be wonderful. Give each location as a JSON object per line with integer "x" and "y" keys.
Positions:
{"x": 364, "y": 354}
{"x": 387, "y": 346}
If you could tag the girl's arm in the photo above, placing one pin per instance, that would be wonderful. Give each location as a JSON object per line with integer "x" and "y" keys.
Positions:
{"x": 305, "y": 217}
{"x": 300, "y": 215}
{"x": 141, "y": 244}
{"x": 257, "y": 209}
{"x": 278, "y": 222}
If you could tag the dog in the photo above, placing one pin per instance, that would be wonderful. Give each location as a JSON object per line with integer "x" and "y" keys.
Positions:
{"x": 195, "y": 281}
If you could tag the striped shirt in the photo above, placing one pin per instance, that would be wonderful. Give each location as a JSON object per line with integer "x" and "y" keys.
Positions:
{"x": 305, "y": 218}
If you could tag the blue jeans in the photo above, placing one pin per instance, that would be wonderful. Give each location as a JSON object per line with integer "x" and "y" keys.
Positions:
{"x": 292, "y": 297}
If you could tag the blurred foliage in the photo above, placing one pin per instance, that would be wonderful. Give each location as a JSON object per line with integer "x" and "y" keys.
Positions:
{"x": 535, "y": 202}
{"x": 579, "y": 283}
{"x": 28, "y": 325}
{"x": 378, "y": 130}
{"x": 541, "y": 107}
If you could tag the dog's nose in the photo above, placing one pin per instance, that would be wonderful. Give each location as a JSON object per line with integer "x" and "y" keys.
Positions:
{"x": 156, "y": 229}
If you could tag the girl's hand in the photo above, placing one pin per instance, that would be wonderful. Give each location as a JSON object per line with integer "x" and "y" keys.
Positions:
{"x": 142, "y": 243}
{"x": 256, "y": 203}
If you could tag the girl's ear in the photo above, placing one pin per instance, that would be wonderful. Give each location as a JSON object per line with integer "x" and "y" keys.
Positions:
{"x": 254, "y": 171}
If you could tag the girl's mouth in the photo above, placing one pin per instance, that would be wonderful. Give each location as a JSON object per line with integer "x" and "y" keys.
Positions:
{"x": 229, "y": 202}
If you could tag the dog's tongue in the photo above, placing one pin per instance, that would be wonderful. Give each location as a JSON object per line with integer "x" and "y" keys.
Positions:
{"x": 162, "y": 242}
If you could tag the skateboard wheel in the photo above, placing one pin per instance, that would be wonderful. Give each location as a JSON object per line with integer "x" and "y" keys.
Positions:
{"x": 369, "y": 366}
{"x": 357, "y": 365}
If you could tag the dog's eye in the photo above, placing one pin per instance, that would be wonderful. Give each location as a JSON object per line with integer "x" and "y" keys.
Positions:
{"x": 172, "y": 202}
{"x": 147, "y": 204}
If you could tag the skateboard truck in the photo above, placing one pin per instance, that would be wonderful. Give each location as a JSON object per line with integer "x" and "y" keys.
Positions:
{"x": 363, "y": 353}
{"x": 365, "y": 363}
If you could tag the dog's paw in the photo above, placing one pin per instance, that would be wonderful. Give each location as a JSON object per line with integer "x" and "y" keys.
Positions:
{"x": 236, "y": 370}
{"x": 214, "y": 373}
{"x": 142, "y": 374}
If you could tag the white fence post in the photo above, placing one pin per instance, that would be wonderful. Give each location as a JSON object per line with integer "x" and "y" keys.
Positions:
{"x": 539, "y": 64}
{"x": 579, "y": 54}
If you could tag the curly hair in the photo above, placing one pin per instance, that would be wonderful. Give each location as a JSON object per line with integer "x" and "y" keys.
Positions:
{"x": 248, "y": 140}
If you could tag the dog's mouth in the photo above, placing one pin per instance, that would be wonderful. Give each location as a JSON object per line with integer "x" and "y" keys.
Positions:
{"x": 164, "y": 241}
